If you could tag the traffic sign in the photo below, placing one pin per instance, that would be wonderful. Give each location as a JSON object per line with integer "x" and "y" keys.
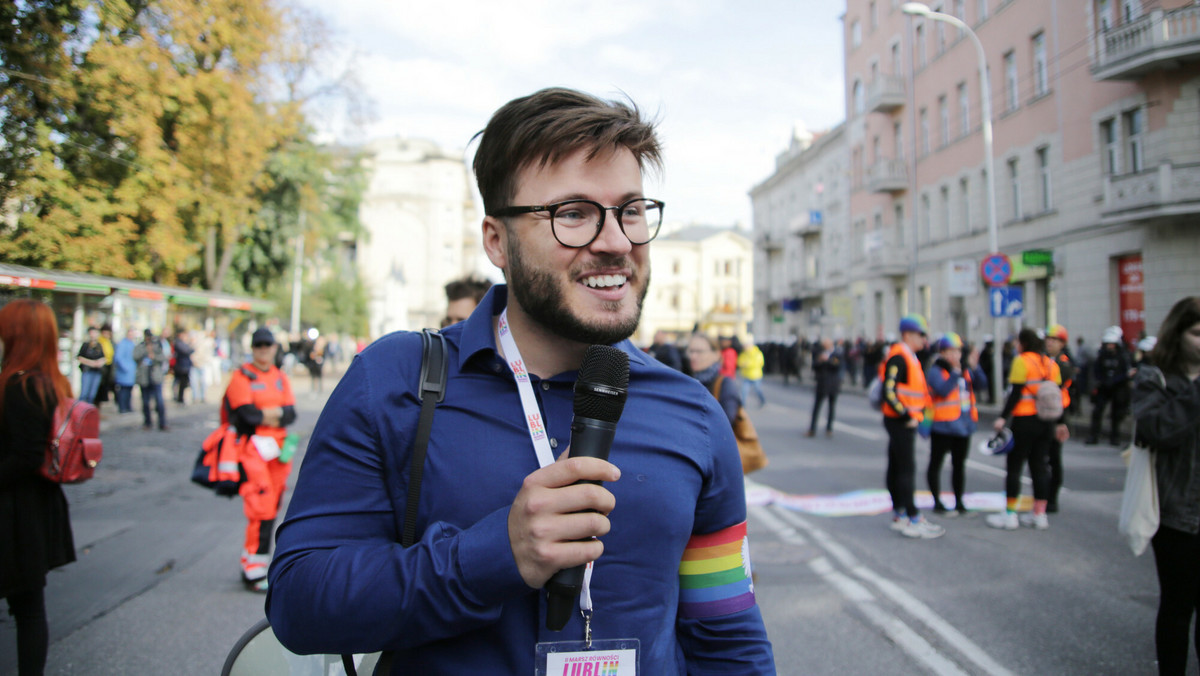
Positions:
{"x": 1006, "y": 301}
{"x": 996, "y": 269}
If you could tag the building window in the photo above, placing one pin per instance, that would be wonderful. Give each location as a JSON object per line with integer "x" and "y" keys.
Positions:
{"x": 898, "y": 137}
{"x": 1135, "y": 128}
{"x": 964, "y": 204}
{"x": 1108, "y": 136}
{"x": 896, "y": 58}
{"x": 1131, "y": 10}
{"x": 924, "y": 117}
{"x": 960, "y": 13}
{"x": 875, "y": 153}
{"x": 983, "y": 9}
{"x": 899, "y": 216}
{"x": 940, "y": 34}
{"x": 860, "y": 104}
{"x": 926, "y": 219}
{"x": 1043, "y": 161}
{"x": 1014, "y": 180}
{"x": 920, "y": 45}
{"x": 944, "y": 120}
{"x": 1041, "y": 82}
{"x": 855, "y": 34}
{"x": 1010, "y": 80}
{"x": 945, "y": 215}
{"x": 1104, "y": 12}
{"x": 873, "y": 14}
{"x": 964, "y": 110}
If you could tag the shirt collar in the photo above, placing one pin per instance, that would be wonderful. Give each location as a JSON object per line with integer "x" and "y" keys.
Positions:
{"x": 478, "y": 338}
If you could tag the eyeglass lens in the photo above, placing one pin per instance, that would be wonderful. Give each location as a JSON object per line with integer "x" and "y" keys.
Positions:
{"x": 576, "y": 223}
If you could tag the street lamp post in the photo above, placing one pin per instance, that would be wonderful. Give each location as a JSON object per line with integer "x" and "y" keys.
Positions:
{"x": 919, "y": 9}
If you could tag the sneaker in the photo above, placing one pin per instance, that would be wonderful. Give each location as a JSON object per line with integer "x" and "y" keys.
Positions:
{"x": 965, "y": 513}
{"x": 940, "y": 510}
{"x": 922, "y": 529}
{"x": 810, "y": 434}
{"x": 899, "y": 522}
{"x": 1037, "y": 521}
{"x": 1004, "y": 521}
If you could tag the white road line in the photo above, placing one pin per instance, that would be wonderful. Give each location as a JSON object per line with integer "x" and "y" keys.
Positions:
{"x": 995, "y": 471}
{"x": 783, "y": 521}
{"x": 873, "y": 436}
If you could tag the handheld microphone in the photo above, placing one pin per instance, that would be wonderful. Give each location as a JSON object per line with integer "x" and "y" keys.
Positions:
{"x": 599, "y": 399}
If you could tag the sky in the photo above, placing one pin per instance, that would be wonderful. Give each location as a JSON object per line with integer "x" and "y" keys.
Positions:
{"x": 727, "y": 81}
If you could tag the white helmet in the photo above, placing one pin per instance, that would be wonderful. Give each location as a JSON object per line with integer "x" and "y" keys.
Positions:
{"x": 1112, "y": 335}
{"x": 999, "y": 444}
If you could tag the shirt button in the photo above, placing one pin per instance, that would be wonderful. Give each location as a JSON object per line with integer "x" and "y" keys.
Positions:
{"x": 545, "y": 385}
{"x": 553, "y": 443}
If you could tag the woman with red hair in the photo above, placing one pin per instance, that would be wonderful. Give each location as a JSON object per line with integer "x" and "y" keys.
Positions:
{"x": 35, "y": 526}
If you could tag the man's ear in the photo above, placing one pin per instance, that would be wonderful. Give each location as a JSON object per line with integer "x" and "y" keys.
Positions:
{"x": 495, "y": 241}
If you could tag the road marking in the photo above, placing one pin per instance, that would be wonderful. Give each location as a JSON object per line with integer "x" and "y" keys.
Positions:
{"x": 873, "y": 436}
{"x": 788, "y": 525}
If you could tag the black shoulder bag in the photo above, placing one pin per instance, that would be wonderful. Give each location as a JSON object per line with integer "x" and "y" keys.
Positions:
{"x": 434, "y": 368}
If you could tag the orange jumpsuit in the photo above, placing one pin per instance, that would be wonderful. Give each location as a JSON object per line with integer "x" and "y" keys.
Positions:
{"x": 250, "y": 391}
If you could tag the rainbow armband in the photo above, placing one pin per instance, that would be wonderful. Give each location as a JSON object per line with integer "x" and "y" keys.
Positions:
{"x": 714, "y": 576}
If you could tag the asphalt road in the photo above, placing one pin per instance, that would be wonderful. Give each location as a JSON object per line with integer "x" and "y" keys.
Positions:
{"x": 156, "y": 589}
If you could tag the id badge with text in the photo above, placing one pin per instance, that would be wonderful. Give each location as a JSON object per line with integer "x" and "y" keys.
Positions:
{"x": 613, "y": 657}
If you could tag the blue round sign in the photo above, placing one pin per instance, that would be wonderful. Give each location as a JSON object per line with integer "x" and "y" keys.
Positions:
{"x": 996, "y": 269}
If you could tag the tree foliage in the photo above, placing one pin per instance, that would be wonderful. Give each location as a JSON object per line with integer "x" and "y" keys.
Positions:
{"x": 162, "y": 140}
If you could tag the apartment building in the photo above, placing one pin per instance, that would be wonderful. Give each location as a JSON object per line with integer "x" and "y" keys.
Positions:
{"x": 422, "y": 231}
{"x": 802, "y": 252}
{"x": 1096, "y": 150}
{"x": 702, "y": 279}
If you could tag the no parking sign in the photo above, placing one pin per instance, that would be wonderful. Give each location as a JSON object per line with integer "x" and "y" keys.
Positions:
{"x": 996, "y": 269}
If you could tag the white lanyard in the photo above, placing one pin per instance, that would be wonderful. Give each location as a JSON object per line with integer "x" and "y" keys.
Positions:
{"x": 537, "y": 431}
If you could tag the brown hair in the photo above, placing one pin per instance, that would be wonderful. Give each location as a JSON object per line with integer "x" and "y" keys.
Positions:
{"x": 1030, "y": 341}
{"x": 1183, "y": 315}
{"x": 549, "y": 125}
{"x": 467, "y": 287}
{"x": 30, "y": 336}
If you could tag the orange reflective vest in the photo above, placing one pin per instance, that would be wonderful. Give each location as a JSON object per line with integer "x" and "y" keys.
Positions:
{"x": 950, "y": 408}
{"x": 913, "y": 393}
{"x": 1038, "y": 369}
{"x": 1064, "y": 360}
{"x": 261, "y": 389}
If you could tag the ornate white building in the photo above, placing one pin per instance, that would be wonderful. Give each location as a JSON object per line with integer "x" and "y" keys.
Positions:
{"x": 701, "y": 277}
{"x": 423, "y": 231}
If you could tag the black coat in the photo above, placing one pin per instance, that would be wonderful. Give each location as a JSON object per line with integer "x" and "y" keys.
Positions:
{"x": 35, "y": 524}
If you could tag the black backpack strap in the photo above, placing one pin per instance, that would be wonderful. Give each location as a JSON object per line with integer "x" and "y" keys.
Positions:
{"x": 434, "y": 369}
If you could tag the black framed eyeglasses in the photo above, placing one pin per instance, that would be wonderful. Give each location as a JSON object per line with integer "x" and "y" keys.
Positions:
{"x": 257, "y": 345}
{"x": 577, "y": 223}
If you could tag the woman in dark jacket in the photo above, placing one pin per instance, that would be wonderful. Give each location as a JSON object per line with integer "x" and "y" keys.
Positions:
{"x": 705, "y": 357}
{"x": 35, "y": 526}
{"x": 1166, "y": 406}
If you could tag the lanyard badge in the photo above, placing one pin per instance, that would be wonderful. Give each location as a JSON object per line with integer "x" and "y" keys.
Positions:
{"x": 588, "y": 657}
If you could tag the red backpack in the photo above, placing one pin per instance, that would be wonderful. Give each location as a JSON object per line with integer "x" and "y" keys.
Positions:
{"x": 74, "y": 448}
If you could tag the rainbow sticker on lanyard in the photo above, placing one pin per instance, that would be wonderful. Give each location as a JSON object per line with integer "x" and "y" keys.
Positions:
{"x": 714, "y": 575}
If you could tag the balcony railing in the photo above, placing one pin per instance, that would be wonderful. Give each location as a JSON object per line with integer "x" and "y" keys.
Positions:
{"x": 886, "y": 93}
{"x": 769, "y": 242}
{"x": 1161, "y": 39}
{"x": 885, "y": 254}
{"x": 1166, "y": 190}
{"x": 888, "y": 175}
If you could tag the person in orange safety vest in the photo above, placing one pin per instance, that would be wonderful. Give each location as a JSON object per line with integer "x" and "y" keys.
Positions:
{"x": 257, "y": 407}
{"x": 905, "y": 398}
{"x": 1056, "y": 343}
{"x": 1032, "y": 436}
{"x": 955, "y": 415}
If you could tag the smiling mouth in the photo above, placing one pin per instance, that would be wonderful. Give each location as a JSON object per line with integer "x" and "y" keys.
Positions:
{"x": 605, "y": 281}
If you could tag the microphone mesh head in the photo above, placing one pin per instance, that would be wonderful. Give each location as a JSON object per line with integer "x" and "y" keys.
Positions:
{"x": 602, "y": 385}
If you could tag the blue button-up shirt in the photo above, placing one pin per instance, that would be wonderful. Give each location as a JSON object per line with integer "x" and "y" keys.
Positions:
{"x": 454, "y": 602}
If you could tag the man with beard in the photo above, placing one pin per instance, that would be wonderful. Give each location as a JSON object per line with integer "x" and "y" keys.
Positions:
{"x": 560, "y": 173}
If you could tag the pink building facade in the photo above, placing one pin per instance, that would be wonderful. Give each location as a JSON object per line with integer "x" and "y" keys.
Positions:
{"x": 1096, "y": 116}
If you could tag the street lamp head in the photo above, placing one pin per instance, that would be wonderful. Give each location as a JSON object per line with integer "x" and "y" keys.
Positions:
{"x": 915, "y": 8}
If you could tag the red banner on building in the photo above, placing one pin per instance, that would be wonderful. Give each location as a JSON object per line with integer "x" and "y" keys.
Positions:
{"x": 1132, "y": 299}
